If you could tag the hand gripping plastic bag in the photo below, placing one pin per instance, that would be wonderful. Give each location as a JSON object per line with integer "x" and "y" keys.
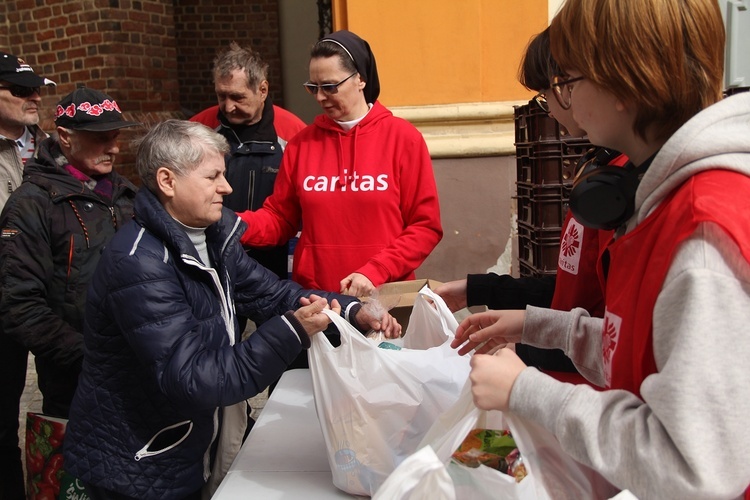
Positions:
{"x": 550, "y": 472}
{"x": 375, "y": 405}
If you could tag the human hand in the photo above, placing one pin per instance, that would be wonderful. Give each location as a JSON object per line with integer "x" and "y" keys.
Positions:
{"x": 488, "y": 331}
{"x": 357, "y": 285}
{"x": 454, "y": 294}
{"x": 492, "y": 378}
{"x": 386, "y": 324}
{"x": 310, "y": 315}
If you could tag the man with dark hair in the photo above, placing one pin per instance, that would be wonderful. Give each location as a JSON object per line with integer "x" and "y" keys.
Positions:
{"x": 20, "y": 137}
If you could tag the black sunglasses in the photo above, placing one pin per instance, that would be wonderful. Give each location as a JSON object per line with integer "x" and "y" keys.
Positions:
{"x": 21, "y": 90}
{"x": 327, "y": 88}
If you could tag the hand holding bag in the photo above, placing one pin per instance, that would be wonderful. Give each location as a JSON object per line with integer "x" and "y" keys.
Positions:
{"x": 375, "y": 405}
{"x": 550, "y": 472}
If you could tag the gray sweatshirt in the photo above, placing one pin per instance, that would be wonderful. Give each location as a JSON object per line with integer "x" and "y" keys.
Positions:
{"x": 689, "y": 437}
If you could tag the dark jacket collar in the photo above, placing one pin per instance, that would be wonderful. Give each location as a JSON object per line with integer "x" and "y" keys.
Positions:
{"x": 47, "y": 170}
{"x": 261, "y": 131}
{"x": 151, "y": 214}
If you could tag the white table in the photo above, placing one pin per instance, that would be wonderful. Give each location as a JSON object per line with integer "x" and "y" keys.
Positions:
{"x": 284, "y": 457}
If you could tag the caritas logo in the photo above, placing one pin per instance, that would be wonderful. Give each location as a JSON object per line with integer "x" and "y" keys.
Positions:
{"x": 570, "y": 247}
{"x": 610, "y": 336}
{"x": 353, "y": 182}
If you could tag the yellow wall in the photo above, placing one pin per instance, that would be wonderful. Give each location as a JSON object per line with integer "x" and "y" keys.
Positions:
{"x": 445, "y": 51}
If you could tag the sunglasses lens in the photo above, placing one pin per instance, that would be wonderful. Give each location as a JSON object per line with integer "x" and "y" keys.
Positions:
{"x": 311, "y": 89}
{"x": 21, "y": 91}
{"x": 329, "y": 88}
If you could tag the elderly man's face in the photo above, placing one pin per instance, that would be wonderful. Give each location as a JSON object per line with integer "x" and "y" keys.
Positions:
{"x": 238, "y": 102}
{"x": 198, "y": 197}
{"x": 93, "y": 153}
{"x": 18, "y": 112}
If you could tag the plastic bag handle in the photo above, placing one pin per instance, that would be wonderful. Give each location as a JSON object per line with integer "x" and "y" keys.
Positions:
{"x": 351, "y": 338}
{"x": 447, "y": 319}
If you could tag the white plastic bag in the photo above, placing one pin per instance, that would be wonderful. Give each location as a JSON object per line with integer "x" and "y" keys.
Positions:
{"x": 375, "y": 405}
{"x": 421, "y": 476}
{"x": 551, "y": 473}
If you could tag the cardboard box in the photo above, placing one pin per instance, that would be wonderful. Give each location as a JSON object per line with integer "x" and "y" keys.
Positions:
{"x": 402, "y": 294}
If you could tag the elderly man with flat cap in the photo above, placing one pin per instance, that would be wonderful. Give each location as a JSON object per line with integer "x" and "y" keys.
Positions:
{"x": 20, "y": 137}
{"x": 54, "y": 228}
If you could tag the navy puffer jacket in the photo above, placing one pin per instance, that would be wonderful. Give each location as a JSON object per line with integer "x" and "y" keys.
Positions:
{"x": 162, "y": 354}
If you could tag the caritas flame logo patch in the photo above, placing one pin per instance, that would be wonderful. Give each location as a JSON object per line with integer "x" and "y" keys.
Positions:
{"x": 570, "y": 247}
{"x": 610, "y": 336}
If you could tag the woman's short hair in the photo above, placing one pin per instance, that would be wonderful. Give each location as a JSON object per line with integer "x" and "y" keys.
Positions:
{"x": 178, "y": 145}
{"x": 537, "y": 66}
{"x": 664, "y": 56}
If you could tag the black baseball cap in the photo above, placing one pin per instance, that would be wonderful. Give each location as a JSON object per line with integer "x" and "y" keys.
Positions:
{"x": 15, "y": 70}
{"x": 89, "y": 109}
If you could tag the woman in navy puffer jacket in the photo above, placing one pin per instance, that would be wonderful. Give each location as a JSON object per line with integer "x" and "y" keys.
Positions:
{"x": 162, "y": 354}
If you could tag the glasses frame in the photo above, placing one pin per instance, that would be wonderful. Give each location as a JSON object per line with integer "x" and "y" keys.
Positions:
{"x": 558, "y": 84}
{"x": 21, "y": 91}
{"x": 327, "y": 88}
{"x": 541, "y": 100}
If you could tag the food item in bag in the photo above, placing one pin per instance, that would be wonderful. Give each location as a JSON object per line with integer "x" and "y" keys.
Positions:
{"x": 516, "y": 467}
{"x": 493, "y": 448}
{"x": 389, "y": 345}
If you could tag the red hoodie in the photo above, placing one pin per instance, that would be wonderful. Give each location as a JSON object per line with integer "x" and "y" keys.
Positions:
{"x": 366, "y": 200}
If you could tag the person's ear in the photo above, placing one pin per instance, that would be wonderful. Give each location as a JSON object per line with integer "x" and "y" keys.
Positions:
{"x": 263, "y": 89}
{"x": 361, "y": 84}
{"x": 165, "y": 180}
{"x": 63, "y": 137}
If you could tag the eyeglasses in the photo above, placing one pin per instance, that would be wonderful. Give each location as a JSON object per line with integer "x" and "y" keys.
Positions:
{"x": 541, "y": 100}
{"x": 21, "y": 90}
{"x": 564, "y": 90}
{"x": 327, "y": 88}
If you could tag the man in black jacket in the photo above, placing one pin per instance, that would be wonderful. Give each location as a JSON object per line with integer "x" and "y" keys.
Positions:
{"x": 20, "y": 137}
{"x": 54, "y": 227}
{"x": 247, "y": 122}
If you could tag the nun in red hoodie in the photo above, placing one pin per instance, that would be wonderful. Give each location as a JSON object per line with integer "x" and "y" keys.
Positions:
{"x": 358, "y": 181}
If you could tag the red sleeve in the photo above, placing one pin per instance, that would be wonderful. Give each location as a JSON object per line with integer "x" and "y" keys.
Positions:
{"x": 286, "y": 123}
{"x": 420, "y": 210}
{"x": 208, "y": 117}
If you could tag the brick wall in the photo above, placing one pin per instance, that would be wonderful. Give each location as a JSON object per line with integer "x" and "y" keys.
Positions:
{"x": 4, "y": 34}
{"x": 205, "y": 26}
{"x": 153, "y": 56}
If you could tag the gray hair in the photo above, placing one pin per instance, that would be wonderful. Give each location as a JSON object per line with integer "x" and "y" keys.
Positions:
{"x": 177, "y": 145}
{"x": 242, "y": 58}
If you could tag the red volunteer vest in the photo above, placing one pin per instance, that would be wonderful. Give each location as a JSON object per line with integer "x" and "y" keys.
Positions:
{"x": 577, "y": 282}
{"x": 639, "y": 262}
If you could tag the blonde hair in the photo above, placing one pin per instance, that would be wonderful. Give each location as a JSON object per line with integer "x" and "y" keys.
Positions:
{"x": 664, "y": 56}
